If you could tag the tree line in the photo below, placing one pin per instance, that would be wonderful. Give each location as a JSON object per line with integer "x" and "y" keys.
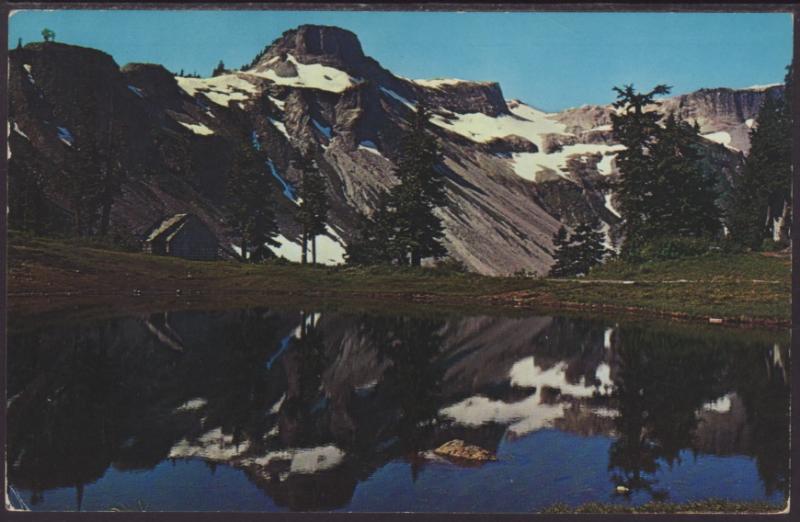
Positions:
{"x": 669, "y": 197}
{"x": 250, "y": 207}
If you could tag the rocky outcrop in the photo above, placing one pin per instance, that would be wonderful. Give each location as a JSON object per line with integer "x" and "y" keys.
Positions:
{"x": 513, "y": 173}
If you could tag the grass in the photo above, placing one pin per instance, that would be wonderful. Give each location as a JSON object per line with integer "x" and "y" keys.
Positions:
{"x": 738, "y": 288}
{"x": 703, "y": 506}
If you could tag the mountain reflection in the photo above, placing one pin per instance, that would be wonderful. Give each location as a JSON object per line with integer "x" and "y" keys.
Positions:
{"x": 311, "y": 404}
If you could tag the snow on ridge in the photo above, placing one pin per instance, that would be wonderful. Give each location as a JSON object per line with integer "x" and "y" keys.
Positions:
{"x": 311, "y": 76}
{"x": 438, "y": 82}
{"x": 762, "y": 87}
{"x": 219, "y": 89}
{"x": 392, "y": 94}
{"x": 198, "y": 128}
{"x": 524, "y": 121}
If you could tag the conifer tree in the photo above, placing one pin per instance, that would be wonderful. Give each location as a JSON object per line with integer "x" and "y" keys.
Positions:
{"x": 418, "y": 231}
{"x": 577, "y": 253}
{"x": 684, "y": 197}
{"x": 637, "y": 129}
{"x": 219, "y": 69}
{"x": 249, "y": 204}
{"x": 314, "y": 204}
{"x": 761, "y": 202}
{"x": 590, "y": 250}
{"x": 374, "y": 243}
{"x": 564, "y": 254}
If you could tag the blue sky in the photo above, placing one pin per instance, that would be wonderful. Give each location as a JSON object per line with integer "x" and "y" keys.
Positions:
{"x": 551, "y": 60}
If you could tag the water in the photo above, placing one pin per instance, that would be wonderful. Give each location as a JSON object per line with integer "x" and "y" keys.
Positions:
{"x": 275, "y": 410}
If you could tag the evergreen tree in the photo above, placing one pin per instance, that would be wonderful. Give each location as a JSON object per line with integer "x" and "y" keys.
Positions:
{"x": 637, "y": 129}
{"x": 249, "y": 204}
{"x": 683, "y": 202}
{"x": 219, "y": 69}
{"x": 590, "y": 250}
{"x": 418, "y": 231}
{"x": 48, "y": 35}
{"x": 564, "y": 254}
{"x": 313, "y": 208}
{"x": 577, "y": 253}
{"x": 19, "y": 44}
{"x": 374, "y": 245}
{"x": 761, "y": 201}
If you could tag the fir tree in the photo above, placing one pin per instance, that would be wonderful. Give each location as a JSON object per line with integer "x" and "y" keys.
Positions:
{"x": 637, "y": 129}
{"x": 579, "y": 252}
{"x": 762, "y": 193}
{"x": 564, "y": 254}
{"x": 589, "y": 248}
{"x": 219, "y": 69}
{"x": 418, "y": 231}
{"x": 374, "y": 243}
{"x": 249, "y": 204}
{"x": 48, "y": 35}
{"x": 19, "y": 44}
{"x": 683, "y": 201}
{"x": 313, "y": 208}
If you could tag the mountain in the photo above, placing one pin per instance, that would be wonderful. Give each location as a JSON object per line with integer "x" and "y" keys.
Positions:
{"x": 514, "y": 173}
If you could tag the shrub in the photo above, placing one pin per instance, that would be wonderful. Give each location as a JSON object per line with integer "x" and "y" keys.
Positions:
{"x": 674, "y": 248}
{"x": 770, "y": 245}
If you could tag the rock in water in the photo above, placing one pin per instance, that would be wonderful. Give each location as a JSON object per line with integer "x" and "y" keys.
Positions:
{"x": 459, "y": 449}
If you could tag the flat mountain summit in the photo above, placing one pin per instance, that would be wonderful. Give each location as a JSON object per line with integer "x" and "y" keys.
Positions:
{"x": 513, "y": 173}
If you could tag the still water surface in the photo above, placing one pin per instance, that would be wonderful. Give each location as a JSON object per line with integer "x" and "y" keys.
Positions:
{"x": 274, "y": 410}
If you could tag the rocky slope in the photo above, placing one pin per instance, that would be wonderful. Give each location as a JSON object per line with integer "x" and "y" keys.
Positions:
{"x": 514, "y": 173}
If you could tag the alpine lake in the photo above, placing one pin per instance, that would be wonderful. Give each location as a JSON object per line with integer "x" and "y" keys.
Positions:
{"x": 330, "y": 409}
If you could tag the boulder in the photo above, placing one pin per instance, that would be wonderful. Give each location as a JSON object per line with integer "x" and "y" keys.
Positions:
{"x": 458, "y": 449}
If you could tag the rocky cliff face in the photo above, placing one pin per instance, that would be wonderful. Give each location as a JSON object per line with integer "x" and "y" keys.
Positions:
{"x": 514, "y": 173}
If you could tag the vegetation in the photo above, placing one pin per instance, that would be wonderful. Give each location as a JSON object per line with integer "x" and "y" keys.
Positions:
{"x": 703, "y": 506}
{"x": 312, "y": 212}
{"x": 663, "y": 189}
{"x": 762, "y": 196}
{"x": 48, "y": 35}
{"x": 405, "y": 229}
{"x": 219, "y": 69}
{"x": 736, "y": 287}
{"x": 249, "y": 205}
{"x": 579, "y": 252}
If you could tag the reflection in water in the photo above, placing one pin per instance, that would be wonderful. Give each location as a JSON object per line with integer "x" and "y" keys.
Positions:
{"x": 311, "y": 407}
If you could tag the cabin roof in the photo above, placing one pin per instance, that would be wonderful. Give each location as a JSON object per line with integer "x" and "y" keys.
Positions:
{"x": 170, "y": 225}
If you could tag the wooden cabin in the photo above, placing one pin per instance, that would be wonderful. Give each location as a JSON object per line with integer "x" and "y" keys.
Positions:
{"x": 181, "y": 235}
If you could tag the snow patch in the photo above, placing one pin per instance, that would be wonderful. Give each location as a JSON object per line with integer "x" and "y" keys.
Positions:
{"x": 135, "y": 90}
{"x": 721, "y": 405}
{"x": 198, "y": 128}
{"x": 278, "y": 103}
{"x": 525, "y": 373}
{"x": 219, "y": 89}
{"x": 439, "y": 82}
{"x": 370, "y": 147}
{"x": 749, "y": 122}
{"x": 305, "y": 460}
{"x": 610, "y": 205}
{"x": 311, "y": 76}
{"x": 392, "y": 94}
{"x": 213, "y": 445}
{"x": 325, "y": 131}
{"x": 280, "y": 126}
{"x": 330, "y": 251}
{"x": 288, "y": 189}
{"x": 65, "y": 136}
{"x": 525, "y": 416}
{"x": 19, "y": 131}
{"x": 761, "y": 87}
{"x": 606, "y": 164}
{"x": 191, "y": 405}
{"x": 535, "y": 166}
